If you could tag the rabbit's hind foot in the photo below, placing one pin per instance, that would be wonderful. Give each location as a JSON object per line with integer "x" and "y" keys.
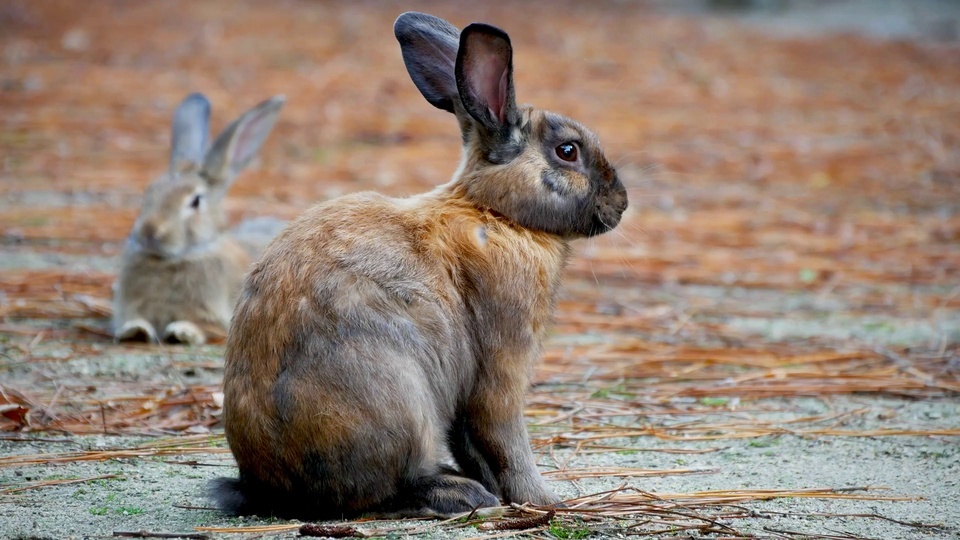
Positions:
{"x": 136, "y": 330}
{"x": 184, "y": 332}
{"x": 446, "y": 495}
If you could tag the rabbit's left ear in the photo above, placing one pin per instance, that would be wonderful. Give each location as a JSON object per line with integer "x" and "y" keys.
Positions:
{"x": 429, "y": 48}
{"x": 235, "y": 147}
{"x": 484, "y": 74}
{"x": 188, "y": 138}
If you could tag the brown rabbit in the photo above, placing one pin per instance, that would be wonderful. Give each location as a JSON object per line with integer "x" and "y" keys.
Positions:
{"x": 181, "y": 269}
{"x": 376, "y": 335}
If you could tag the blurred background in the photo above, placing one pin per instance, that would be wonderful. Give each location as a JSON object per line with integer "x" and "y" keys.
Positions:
{"x": 769, "y": 145}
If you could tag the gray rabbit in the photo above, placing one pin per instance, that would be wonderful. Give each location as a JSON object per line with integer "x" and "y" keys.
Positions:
{"x": 181, "y": 268}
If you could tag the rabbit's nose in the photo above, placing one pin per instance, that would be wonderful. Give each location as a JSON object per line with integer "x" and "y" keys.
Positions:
{"x": 151, "y": 235}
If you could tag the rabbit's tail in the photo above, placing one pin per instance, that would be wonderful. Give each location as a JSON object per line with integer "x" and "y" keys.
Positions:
{"x": 240, "y": 497}
{"x": 234, "y": 497}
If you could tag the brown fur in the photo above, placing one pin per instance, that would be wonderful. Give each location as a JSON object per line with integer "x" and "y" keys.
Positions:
{"x": 161, "y": 291}
{"x": 377, "y": 335}
{"x": 181, "y": 269}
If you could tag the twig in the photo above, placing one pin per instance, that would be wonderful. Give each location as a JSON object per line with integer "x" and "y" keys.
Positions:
{"x": 195, "y": 463}
{"x": 35, "y": 439}
{"x": 519, "y": 524}
{"x": 48, "y": 483}
{"x": 331, "y": 531}
{"x": 191, "y": 507}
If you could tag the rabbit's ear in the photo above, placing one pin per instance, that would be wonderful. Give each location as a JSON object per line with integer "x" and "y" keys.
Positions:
{"x": 235, "y": 147}
{"x": 188, "y": 141}
{"x": 429, "y": 48}
{"x": 484, "y": 73}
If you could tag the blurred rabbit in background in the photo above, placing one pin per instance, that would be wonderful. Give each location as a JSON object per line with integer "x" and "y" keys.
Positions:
{"x": 181, "y": 268}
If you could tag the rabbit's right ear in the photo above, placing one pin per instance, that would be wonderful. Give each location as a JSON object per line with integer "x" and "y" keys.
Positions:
{"x": 188, "y": 141}
{"x": 484, "y": 74}
{"x": 235, "y": 147}
{"x": 429, "y": 47}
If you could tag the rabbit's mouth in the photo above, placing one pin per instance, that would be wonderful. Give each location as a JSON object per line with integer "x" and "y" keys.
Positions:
{"x": 153, "y": 249}
{"x": 603, "y": 223}
{"x": 158, "y": 251}
{"x": 608, "y": 213}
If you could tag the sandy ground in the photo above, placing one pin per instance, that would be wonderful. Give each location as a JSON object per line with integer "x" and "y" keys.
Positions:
{"x": 166, "y": 493}
{"x": 149, "y": 494}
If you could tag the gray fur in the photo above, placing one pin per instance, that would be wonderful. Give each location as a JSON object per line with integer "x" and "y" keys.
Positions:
{"x": 191, "y": 127}
{"x": 429, "y": 47}
{"x": 239, "y": 142}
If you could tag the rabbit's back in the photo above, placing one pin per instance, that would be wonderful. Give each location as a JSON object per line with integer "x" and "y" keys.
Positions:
{"x": 419, "y": 272}
{"x": 257, "y": 233}
{"x": 352, "y": 271}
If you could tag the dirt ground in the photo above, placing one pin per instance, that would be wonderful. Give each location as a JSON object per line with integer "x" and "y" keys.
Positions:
{"x": 160, "y": 494}
{"x": 766, "y": 347}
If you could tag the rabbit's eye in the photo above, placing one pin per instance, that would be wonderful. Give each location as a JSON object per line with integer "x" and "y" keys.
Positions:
{"x": 567, "y": 152}
{"x": 195, "y": 201}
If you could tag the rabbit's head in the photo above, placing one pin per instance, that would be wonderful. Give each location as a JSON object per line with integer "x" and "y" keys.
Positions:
{"x": 539, "y": 169}
{"x": 182, "y": 211}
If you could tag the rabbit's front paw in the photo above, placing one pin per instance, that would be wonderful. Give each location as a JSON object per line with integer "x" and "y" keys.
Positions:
{"x": 184, "y": 332}
{"x": 529, "y": 489}
{"x": 448, "y": 495}
{"x": 136, "y": 330}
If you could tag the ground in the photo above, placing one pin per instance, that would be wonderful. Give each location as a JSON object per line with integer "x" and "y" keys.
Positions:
{"x": 766, "y": 347}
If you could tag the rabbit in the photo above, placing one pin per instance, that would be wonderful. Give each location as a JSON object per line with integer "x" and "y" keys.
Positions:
{"x": 376, "y": 335}
{"x": 181, "y": 269}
